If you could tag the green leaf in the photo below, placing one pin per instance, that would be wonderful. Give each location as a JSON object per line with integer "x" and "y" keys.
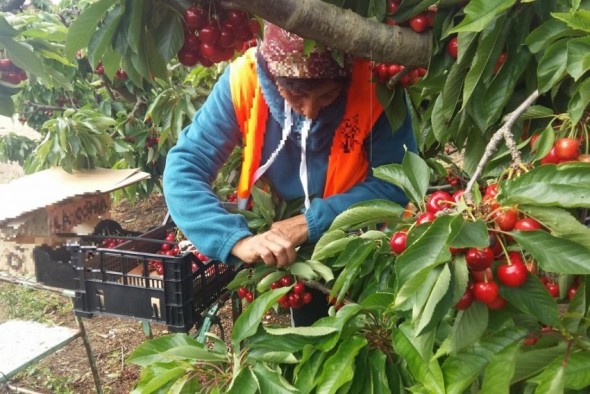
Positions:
{"x": 576, "y": 371}
{"x": 499, "y": 372}
{"x": 6, "y": 29}
{"x": 438, "y": 292}
{"x": 322, "y": 270}
{"x": 561, "y": 223}
{"x": 263, "y": 205}
{"x": 555, "y": 254}
{"x": 377, "y": 301}
{"x": 323, "y": 250}
{"x": 472, "y": 235}
{"x": 271, "y": 381}
{"x": 579, "y": 101}
{"x": 377, "y": 362}
{"x": 552, "y": 66}
{"x": 565, "y": 185}
{"x": 338, "y": 368}
{"x": 479, "y": 13}
{"x": 531, "y": 362}
{"x": 551, "y": 380}
{"x": 101, "y": 40}
{"x": 461, "y": 369}
{"x": 163, "y": 349}
{"x": 162, "y": 379}
{"x": 83, "y": 27}
{"x": 366, "y": 213}
{"x": 412, "y": 176}
{"x": 247, "y": 324}
{"x": 469, "y": 327}
{"x": 305, "y": 372}
{"x": 304, "y": 331}
{"x": 244, "y": 382}
{"x": 425, "y": 253}
{"x": 134, "y": 29}
{"x": 534, "y": 299}
{"x": 424, "y": 370}
{"x": 578, "y": 57}
{"x": 542, "y": 36}
{"x": 169, "y": 33}
{"x": 6, "y": 106}
{"x": 579, "y": 20}
{"x": 393, "y": 104}
{"x": 272, "y": 357}
{"x": 267, "y": 280}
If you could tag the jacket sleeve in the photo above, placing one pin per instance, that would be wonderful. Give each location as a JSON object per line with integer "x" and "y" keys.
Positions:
{"x": 191, "y": 167}
{"x": 383, "y": 147}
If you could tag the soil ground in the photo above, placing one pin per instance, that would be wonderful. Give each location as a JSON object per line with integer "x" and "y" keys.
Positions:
{"x": 112, "y": 338}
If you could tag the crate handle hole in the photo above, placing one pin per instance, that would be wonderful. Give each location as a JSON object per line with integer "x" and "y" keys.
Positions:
{"x": 100, "y": 295}
{"x": 155, "y": 307}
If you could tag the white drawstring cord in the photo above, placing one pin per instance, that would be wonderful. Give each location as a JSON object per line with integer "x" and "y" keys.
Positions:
{"x": 303, "y": 163}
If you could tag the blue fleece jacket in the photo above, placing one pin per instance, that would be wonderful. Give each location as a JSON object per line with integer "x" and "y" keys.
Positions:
{"x": 205, "y": 144}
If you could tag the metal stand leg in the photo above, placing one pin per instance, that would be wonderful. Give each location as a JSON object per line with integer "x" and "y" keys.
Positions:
{"x": 93, "y": 367}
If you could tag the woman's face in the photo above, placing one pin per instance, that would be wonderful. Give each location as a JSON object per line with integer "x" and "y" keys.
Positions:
{"x": 309, "y": 102}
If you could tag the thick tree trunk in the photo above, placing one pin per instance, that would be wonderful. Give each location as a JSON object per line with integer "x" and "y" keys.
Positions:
{"x": 343, "y": 30}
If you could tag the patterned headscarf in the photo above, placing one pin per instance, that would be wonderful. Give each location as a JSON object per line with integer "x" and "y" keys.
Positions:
{"x": 284, "y": 54}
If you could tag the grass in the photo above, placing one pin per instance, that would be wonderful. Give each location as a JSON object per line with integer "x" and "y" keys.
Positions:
{"x": 18, "y": 302}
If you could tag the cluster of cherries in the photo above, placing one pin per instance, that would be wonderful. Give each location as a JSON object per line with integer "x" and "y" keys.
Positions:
{"x": 295, "y": 298}
{"x": 514, "y": 265}
{"x": 565, "y": 149}
{"x": 211, "y": 39}
{"x": 111, "y": 243}
{"x": 120, "y": 74}
{"x": 151, "y": 141}
{"x": 10, "y": 73}
{"x": 384, "y": 72}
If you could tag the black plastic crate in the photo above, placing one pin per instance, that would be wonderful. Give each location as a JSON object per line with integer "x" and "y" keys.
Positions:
{"x": 53, "y": 265}
{"x": 120, "y": 282}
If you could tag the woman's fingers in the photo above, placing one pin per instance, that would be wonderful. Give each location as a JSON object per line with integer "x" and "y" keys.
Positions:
{"x": 272, "y": 247}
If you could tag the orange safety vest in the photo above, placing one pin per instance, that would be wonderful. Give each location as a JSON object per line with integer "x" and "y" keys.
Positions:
{"x": 348, "y": 161}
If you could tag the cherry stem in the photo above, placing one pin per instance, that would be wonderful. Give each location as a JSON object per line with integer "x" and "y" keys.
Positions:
{"x": 505, "y": 133}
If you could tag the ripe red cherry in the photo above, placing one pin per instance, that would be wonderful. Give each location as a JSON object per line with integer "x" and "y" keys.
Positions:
{"x": 453, "y": 47}
{"x": 513, "y": 275}
{"x": 249, "y": 296}
{"x": 299, "y": 287}
{"x": 551, "y": 157}
{"x": 485, "y": 292}
{"x": 307, "y": 297}
{"x": 465, "y": 301}
{"x": 187, "y": 58}
{"x": 121, "y": 74}
{"x": 6, "y": 65}
{"x": 237, "y": 17}
{"x": 191, "y": 42}
{"x": 482, "y": 276}
{"x": 286, "y": 280}
{"x": 527, "y": 224}
{"x": 479, "y": 259}
{"x": 195, "y": 18}
{"x": 506, "y": 219}
{"x": 426, "y": 217}
{"x": 242, "y": 291}
{"x": 392, "y": 6}
{"x": 209, "y": 34}
{"x": 226, "y": 37}
{"x": 419, "y": 23}
{"x": 438, "y": 201}
{"x": 397, "y": 243}
{"x": 515, "y": 257}
{"x": 571, "y": 292}
{"x": 12, "y": 77}
{"x": 501, "y": 60}
{"x": 553, "y": 288}
{"x": 567, "y": 148}
{"x": 498, "y": 303}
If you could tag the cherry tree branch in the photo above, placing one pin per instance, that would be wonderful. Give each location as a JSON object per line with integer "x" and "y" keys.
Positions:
{"x": 343, "y": 30}
{"x": 503, "y": 133}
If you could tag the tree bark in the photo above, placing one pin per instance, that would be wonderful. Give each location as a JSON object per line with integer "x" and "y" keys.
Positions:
{"x": 343, "y": 30}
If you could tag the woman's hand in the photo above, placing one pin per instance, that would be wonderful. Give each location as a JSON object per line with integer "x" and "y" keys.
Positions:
{"x": 275, "y": 246}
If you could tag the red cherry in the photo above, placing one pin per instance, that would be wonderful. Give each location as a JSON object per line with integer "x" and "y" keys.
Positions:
{"x": 513, "y": 275}
{"x": 226, "y": 37}
{"x": 121, "y": 74}
{"x": 482, "y": 276}
{"x": 567, "y": 148}
{"x": 254, "y": 26}
{"x": 530, "y": 339}
{"x": 553, "y": 288}
{"x": 393, "y": 70}
{"x": 187, "y": 58}
{"x": 419, "y": 23}
{"x": 485, "y": 292}
{"x": 505, "y": 219}
{"x": 498, "y": 303}
{"x": 237, "y": 17}
{"x": 501, "y": 60}
{"x": 392, "y": 6}
{"x": 6, "y": 65}
{"x": 572, "y": 292}
{"x": 438, "y": 201}
{"x": 397, "y": 243}
{"x": 479, "y": 259}
{"x": 209, "y": 34}
{"x": 307, "y": 297}
{"x": 12, "y": 77}
{"x": 299, "y": 287}
{"x": 295, "y": 300}
{"x": 191, "y": 42}
{"x": 515, "y": 257}
{"x": 249, "y": 296}
{"x": 286, "y": 280}
{"x": 551, "y": 157}
{"x": 242, "y": 291}
{"x": 426, "y": 217}
{"x": 458, "y": 195}
{"x": 465, "y": 301}
{"x": 195, "y": 18}
{"x": 527, "y": 224}
{"x": 491, "y": 190}
{"x": 209, "y": 51}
